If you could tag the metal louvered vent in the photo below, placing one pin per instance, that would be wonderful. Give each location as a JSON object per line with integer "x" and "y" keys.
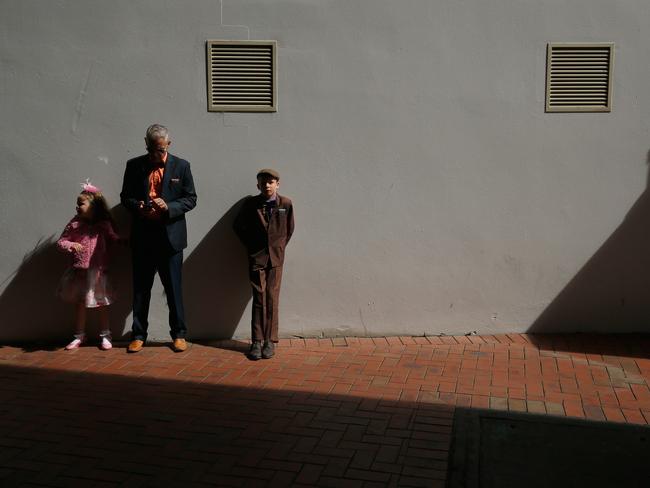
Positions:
{"x": 242, "y": 76}
{"x": 579, "y": 77}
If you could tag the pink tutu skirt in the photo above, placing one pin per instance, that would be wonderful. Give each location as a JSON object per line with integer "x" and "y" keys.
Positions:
{"x": 88, "y": 286}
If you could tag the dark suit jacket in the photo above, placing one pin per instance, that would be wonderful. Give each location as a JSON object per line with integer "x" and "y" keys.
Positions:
{"x": 265, "y": 240}
{"x": 177, "y": 191}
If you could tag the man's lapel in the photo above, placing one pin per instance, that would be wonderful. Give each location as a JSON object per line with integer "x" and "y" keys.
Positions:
{"x": 170, "y": 170}
{"x": 145, "y": 176}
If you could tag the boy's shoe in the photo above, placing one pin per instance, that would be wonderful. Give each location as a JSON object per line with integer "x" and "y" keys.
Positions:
{"x": 180, "y": 345}
{"x": 255, "y": 351}
{"x": 135, "y": 345}
{"x": 268, "y": 351}
{"x": 76, "y": 342}
{"x": 106, "y": 343}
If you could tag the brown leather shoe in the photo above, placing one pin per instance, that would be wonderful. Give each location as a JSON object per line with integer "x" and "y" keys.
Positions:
{"x": 135, "y": 345}
{"x": 180, "y": 345}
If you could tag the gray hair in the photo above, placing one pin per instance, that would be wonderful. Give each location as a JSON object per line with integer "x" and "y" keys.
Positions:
{"x": 157, "y": 131}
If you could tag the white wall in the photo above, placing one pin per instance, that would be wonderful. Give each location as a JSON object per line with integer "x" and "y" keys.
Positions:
{"x": 432, "y": 192}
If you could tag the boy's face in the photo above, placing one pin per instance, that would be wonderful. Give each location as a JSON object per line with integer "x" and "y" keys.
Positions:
{"x": 267, "y": 185}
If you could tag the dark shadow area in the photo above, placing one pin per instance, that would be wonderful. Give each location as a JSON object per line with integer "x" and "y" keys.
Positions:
{"x": 30, "y": 308}
{"x": 73, "y": 428}
{"x": 64, "y": 428}
{"x": 629, "y": 345}
{"x": 611, "y": 292}
{"x": 226, "y": 344}
{"x": 121, "y": 277}
{"x": 505, "y": 449}
{"x": 216, "y": 289}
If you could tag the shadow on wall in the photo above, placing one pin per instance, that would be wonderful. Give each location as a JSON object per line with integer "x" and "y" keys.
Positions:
{"x": 611, "y": 293}
{"x": 121, "y": 277}
{"x": 30, "y": 308}
{"x": 216, "y": 289}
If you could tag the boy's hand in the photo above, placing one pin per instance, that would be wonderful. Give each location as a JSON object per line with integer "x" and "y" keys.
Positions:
{"x": 77, "y": 247}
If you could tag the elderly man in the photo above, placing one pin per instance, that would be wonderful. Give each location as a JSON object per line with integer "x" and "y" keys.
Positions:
{"x": 158, "y": 190}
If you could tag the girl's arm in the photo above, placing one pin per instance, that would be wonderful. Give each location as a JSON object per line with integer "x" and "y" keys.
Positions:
{"x": 67, "y": 240}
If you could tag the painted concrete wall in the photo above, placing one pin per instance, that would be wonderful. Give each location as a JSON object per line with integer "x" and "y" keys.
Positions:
{"x": 432, "y": 193}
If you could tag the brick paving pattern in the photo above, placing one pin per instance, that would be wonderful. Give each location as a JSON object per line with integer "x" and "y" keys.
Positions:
{"x": 324, "y": 412}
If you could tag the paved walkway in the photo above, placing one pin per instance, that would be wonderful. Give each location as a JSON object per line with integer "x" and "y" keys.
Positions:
{"x": 325, "y": 412}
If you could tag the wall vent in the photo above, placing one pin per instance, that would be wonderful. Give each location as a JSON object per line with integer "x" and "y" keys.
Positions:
{"x": 242, "y": 76}
{"x": 579, "y": 77}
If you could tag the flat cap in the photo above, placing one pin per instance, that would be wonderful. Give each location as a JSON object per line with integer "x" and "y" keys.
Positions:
{"x": 269, "y": 172}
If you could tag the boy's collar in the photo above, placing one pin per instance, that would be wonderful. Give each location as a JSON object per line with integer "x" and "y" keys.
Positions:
{"x": 272, "y": 199}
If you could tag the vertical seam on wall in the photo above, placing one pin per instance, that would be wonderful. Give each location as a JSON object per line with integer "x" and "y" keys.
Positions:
{"x": 248, "y": 36}
{"x": 248, "y": 31}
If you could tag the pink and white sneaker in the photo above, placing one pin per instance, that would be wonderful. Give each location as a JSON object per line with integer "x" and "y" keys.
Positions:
{"x": 106, "y": 343}
{"x": 76, "y": 342}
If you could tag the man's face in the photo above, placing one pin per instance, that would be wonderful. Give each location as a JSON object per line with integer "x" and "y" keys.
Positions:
{"x": 157, "y": 149}
{"x": 267, "y": 185}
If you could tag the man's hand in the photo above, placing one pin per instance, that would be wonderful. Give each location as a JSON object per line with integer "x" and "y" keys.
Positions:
{"x": 145, "y": 211}
{"x": 160, "y": 204}
{"x": 153, "y": 211}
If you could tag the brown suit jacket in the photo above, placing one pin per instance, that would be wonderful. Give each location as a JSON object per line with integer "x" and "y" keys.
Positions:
{"x": 265, "y": 241}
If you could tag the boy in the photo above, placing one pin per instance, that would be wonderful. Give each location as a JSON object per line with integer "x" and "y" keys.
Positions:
{"x": 264, "y": 224}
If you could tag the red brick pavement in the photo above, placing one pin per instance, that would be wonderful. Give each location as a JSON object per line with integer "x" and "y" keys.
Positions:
{"x": 324, "y": 412}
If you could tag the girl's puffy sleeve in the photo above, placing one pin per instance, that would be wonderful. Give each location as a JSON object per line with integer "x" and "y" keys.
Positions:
{"x": 66, "y": 240}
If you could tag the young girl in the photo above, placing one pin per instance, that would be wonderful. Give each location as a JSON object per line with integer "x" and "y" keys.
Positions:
{"x": 87, "y": 237}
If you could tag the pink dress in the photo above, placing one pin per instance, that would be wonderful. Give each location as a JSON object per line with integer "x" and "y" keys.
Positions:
{"x": 86, "y": 281}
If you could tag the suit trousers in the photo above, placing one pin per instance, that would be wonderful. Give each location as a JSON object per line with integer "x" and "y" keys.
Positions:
{"x": 265, "y": 283}
{"x": 168, "y": 264}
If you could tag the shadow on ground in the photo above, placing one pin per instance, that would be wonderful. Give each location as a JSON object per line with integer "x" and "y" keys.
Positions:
{"x": 216, "y": 289}
{"x": 64, "y": 427}
{"x": 227, "y": 345}
{"x": 600, "y": 345}
{"x": 506, "y": 449}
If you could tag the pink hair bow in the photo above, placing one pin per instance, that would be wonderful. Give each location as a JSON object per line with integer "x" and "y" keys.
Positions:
{"x": 89, "y": 187}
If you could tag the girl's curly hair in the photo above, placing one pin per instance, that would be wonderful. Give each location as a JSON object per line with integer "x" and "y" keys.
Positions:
{"x": 99, "y": 206}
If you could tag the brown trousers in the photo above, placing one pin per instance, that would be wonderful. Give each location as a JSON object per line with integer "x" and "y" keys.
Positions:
{"x": 266, "y": 293}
